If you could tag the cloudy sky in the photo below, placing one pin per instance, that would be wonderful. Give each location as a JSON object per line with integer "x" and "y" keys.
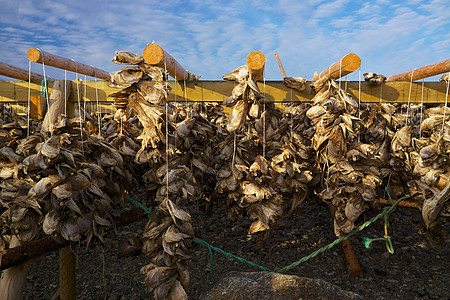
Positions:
{"x": 211, "y": 37}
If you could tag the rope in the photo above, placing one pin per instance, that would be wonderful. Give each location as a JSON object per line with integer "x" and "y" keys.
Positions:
{"x": 65, "y": 93}
{"x": 409, "y": 97}
{"x": 421, "y": 110}
{"x": 264, "y": 110}
{"x": 99, "y": 119}
{"x": 29, "y": 97}
{"x": 367, "y": 242}
{"x": 147, "y": 211}
{"x": 84, "y": 98}
{"x": 445, "y": 107}
{"x": 79, "y": 106}
{"x": 46, "y": 89}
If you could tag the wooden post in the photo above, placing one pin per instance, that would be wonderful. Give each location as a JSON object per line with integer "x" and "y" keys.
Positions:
{"x": 283, "y": 73}
{"x": 351, "y": 261}
{"x": 342, "y": 67}
{"x": 67, "y": 278}
{"x": 42, "y": 57}
{"x": 255, "y": 63}
{"x": 12, "y": 281}
{"x": 423, "y": 72}
{"x": 155, "y": 55}
{"x": 19, "y": 73}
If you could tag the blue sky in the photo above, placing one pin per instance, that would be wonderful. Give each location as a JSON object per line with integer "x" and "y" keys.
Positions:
{"x": 211, "y": 38}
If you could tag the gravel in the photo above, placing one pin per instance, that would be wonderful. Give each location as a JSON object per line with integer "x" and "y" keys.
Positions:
{"x": 414, "y": 271}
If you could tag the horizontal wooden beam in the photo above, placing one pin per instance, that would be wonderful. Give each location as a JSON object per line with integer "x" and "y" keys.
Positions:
{"x": 16, "y": 92}
{"x": 423, "y": 72}
{"x": 19, "y": 73}
{"x": 38, "y": 56}
{"x": 17, "y": 255}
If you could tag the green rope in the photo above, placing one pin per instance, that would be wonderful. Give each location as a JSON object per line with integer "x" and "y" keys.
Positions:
{"x": 229, "y": 255}
{"x": 147, "y": 211}
{"x": 43, "y": 85}
{"x": 386, "y": 211}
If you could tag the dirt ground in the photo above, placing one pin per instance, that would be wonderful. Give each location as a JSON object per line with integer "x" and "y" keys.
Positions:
{"x": 414, "y": 271}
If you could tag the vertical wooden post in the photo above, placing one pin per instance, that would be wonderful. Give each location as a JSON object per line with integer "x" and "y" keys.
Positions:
{"x": 256, "y": 62}
{"x": 12, "y": 281}
{"x": 67, "y": 278}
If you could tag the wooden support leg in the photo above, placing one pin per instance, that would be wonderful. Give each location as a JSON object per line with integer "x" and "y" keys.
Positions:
{"x": 353, "y": 267}
{"x": 67, "y": 278}
{"x": 13, "y": 280}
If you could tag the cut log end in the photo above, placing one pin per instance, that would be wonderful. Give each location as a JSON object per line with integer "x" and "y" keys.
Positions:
{"x": 256, "y": 60}
{"x": 153, "y": 54}
{"x": 34, "y": 54}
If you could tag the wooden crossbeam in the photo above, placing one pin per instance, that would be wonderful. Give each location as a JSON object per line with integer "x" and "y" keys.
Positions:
{"x": 16, "y": 92}
{"x": 38, "y": 56}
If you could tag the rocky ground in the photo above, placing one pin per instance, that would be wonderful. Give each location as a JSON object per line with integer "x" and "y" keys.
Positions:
{"x": 414, "y": 271}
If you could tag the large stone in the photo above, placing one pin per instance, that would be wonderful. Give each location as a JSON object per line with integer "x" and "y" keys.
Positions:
{"x": 273, "y": 286}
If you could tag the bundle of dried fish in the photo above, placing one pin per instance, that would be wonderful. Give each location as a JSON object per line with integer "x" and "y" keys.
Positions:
{"x": 373, "y": 78}
{"x": 244, "y": 98}
{"x": 432, "y": 150}
{"x": 68, "y": 182}
{"x": 264, "y": 170}
{"x": 350, "y": 153}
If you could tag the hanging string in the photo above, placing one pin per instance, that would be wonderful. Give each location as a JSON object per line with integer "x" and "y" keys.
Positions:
{"x": 84, "y": 98}
{"x": 99, "y": 119}
{"x": 65, "y": 93}
{"x": 409, "y": 97}
{"x": 29, "y": 97}
{"x": 264, "y": 101}
{"x": 46, "y": 89}
{"x": 185, "y": 98}
{"x": 340, "y": 72}
{"x": 381, "y": 92}
{"x": 292, "y": 115}
{"x": 359, "y": 100}
{"x": 445, "y": 107}
{"x": 79, "y": 106}
{"x": 167, "y": 135}
{"x": 421, "y": 110}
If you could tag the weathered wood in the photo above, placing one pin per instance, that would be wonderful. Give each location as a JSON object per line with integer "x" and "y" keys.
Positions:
{"x": 57, "y": 101}
{"x": 16, "y": 92}
{"x": 155, "y": 55}
{"x": 14, "y": 256}
{"x": 353, "y": 267}
{"x": 42, "y": 57}
{"x": 403, "y": 203}
{"x": 283, "y": 73}
{"x": 351, "y": 261}
{"x": 19, "y": 73}
{"x": 67, "y": 278}
{"x": 13, "y": 280}
{"x": 256, "y": 62}
{"x": 423, "y": 72}
{"x": 341, "y": 68}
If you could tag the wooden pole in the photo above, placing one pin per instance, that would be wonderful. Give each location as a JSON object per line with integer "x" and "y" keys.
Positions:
{"x": 351, "y": 261}
{"x": 256, "y": 62}
{"x": 342, "y": 67}
{"x": 283, "y": 73}
{"x": 155, "y": 55}
{"x": 14, "y": 256}
{"x": 19, "y": 73}
{"x": 13, "y": 280}
{"x": 423, "y": 72}
{"x": 67, "y": 278}
{"x": 38, "y": 56}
